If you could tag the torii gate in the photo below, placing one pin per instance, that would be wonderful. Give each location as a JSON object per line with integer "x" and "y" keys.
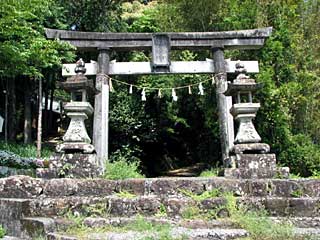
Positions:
{"x": 161, "y": 44}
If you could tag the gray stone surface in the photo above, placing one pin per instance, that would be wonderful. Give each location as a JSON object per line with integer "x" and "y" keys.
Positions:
{"x": 28, "y": 187}
{"x": 72, "y": 165}
{"x": 244, "y": 39}
{"x": 251, "y": 148}
{"x": 9, "y": 171}
{"x": 244, "y": 113}
{"x": 27, "y": 203}
{"x": 35, "y": 227}
{"x": 212, "y": 234}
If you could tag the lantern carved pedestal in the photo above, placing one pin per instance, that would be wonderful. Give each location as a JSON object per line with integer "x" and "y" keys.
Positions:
{"x": 249, "y": 157}
{"x": 75, "y": 156}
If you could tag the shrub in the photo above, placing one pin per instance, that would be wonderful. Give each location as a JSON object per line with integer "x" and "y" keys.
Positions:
{"x": 2, "y": 232}
{"x": 123, "y": 164}
{"x": 213, "y": 172}
{"x": 302, "y": 156}
{"x": 121, "y": 169}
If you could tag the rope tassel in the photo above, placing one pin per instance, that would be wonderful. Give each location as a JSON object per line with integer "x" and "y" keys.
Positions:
{"x": 174, "y": 95}
{"x": 189, "y": 90}
{"x": 130, "y": 89}
{"x": 143, "y": 95}
{"x": 201, "y": 89}
{"x": 110, "y": 85}
{"x": 213, "y": 80}
{"x": 159, "y": 93}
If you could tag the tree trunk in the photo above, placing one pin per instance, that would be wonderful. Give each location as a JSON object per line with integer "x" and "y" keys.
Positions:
{"x": 6, "y": 114}
{"x": 45, "y": 112}
{"x": 39, "y": 132}
{"x": 12, "y": 112}
{"x": 27, "y": 133}
{"x": 51, "y": 108}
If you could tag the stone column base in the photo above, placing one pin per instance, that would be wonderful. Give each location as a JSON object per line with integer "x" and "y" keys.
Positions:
{"x": 244, "y": 173}
{"x": 76, "y": 165}
{"x": 255, "y": 166}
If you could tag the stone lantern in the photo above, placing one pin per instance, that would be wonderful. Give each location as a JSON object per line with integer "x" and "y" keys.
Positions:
{"x": 249, "y": 157}
{"x": 75, "y": 156}
{"x": 76, "y": 138}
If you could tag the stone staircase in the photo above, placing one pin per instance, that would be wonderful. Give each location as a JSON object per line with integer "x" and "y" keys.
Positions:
{"x": 192, "y": 208}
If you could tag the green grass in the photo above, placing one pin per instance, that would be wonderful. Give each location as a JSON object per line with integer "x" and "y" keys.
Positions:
{"x": 24, "y": 150}
{"x": 162, "y": 212}
{"x": 122, "y": 169}
{"x": 203, "y": 196}
{"x": 140, "y": 224}
{"x": 213, "y": 172}
{"x": 258, "y": 224}
{"x": 125, "y": 194}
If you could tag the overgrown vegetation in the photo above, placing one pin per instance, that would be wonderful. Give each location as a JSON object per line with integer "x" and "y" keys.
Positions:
{"x": 216, "y": 192}
{"x": 125, "y": 194}
{"x": 139, "y": 224}
{"x": 212, "y": 172}
{"x": 2, "y": 232}
{"x": 122, "y": 169}
{"x": 258, "y": 223}
{"x": 24, "y": 150}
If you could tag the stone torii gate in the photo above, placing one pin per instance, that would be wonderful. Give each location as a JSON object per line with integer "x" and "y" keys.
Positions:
{"x": 160, "y": 44}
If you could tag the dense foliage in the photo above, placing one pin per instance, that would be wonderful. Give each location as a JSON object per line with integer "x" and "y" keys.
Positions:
{"x": 161, "y": 133}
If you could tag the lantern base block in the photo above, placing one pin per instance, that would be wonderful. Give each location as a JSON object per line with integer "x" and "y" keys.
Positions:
{"x": 73, "y": 147}
{"x": 255, "y": 166}
{"x": 76, "y": 165}
{"x": 251, "y": 148}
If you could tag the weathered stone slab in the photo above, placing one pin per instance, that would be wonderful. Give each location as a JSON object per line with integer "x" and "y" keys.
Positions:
{"x": 311, "y": 187}
{"x": 257, "y": 188}
{"x": 256, "y": 173}
{"x": 172, "y": 186}
{"x": 130, "y": 207}
{"x": 12, "y": 210}
{"x": 256, "y": 161}
{"x": 133, "y": 186}
{"x": 304, "y": 207}
{"x": 56, "y": 236}
{"x": 238, "y": 187}
{"x": 176, "y": 206}
{"x": 34, "y": 227}
{"x": 78, "y": 165}
{"x": 251, "y": 147}
{"x": 20, "y": 187}
{"x": 286, "y": 188}
{"x": 9, "y": 171}
{"x": 175, "y": 233}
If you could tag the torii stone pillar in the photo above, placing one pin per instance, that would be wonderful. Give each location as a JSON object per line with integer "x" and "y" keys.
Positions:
{"x": 224, "y": 105}
{"x": 101, "y": 106}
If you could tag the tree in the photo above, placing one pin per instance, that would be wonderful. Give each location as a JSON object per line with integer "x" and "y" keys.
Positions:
{"x": 24, "y": 50}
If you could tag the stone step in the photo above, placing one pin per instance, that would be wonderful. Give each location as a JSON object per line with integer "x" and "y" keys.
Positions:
{"x": 62, "y": 224}
{"x": 222, "y": 223}
{"x": 35, "y": 227}
{"x": 27, "y": 187}
{"x": 299, "y": 222}
{"x": 15, "y": 209}
{"x": 311, "y": 233}
{"x": 175, "y": 233}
